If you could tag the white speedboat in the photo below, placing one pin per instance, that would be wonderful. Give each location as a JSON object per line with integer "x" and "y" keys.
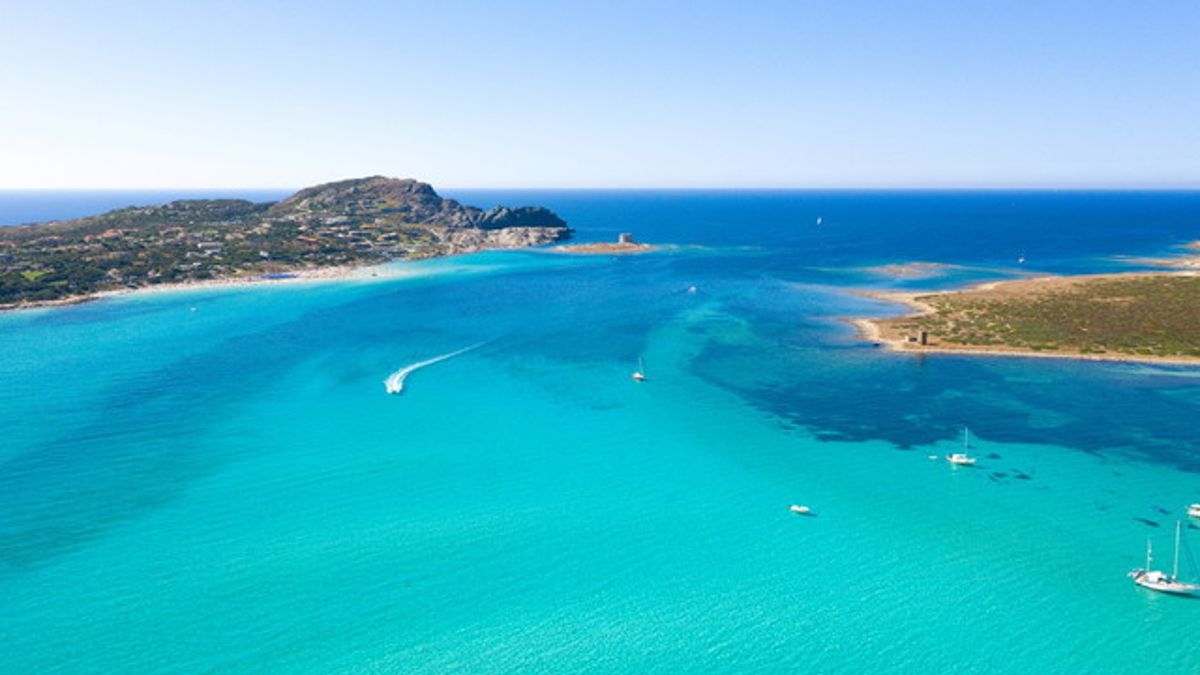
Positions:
{"x": 963, "y": 458}
{"x": 1162, "y": 582}
{"x": 800, "y": 508}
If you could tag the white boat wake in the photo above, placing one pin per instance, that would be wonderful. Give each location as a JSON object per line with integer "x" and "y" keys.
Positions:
{"x": 395, "y": 382}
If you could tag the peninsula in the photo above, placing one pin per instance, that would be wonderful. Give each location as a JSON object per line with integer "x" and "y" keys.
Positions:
{"x": 1128, "y": 317}
{"x": 343, "y": 224}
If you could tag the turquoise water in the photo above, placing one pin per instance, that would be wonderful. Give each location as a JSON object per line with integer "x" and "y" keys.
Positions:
{"x": 230, "y": 489}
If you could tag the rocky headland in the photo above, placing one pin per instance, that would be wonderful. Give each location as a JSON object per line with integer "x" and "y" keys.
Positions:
{"x": 340, "y": 225}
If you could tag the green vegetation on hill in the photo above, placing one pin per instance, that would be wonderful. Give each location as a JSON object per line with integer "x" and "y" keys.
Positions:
{"x": 352, "y": 222}
{"x": 1135, "y": 315}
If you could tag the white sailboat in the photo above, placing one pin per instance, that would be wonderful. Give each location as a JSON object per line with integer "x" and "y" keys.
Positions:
{"x": 1194, "y": 510}
{"x": 639, "y": 375}
{"x": 962, "y": 458}
{"x": 1157, "y": 580}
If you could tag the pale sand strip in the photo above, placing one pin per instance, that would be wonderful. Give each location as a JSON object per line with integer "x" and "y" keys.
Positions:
{"x": 604, "y": 248}
{"x": 302, "y": 276}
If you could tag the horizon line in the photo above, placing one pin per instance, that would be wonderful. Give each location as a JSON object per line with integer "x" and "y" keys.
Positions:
{"x": 1186, "y": 187}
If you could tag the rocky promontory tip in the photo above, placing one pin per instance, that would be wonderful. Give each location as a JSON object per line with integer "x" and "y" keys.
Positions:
{"x": 353, "y": 222}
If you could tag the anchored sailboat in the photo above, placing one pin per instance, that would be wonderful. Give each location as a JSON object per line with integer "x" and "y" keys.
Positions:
{"x": 1160, "y": 581}
{"x": 639, "y": 375}
{"x": 962, "y": 458}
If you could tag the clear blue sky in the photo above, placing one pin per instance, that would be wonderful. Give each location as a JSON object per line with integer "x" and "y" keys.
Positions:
{"x": 601, "y": 94}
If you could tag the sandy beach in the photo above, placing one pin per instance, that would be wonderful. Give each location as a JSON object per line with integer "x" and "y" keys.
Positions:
{"x": 303, "y": 276}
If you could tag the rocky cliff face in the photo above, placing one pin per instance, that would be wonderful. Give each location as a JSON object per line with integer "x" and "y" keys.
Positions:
{"x": 471, "y": 239}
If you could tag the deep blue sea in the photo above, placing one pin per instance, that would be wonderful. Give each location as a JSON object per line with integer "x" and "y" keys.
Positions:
{"x": 216, "y": 480}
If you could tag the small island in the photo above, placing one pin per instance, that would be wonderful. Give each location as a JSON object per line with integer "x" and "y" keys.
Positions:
{"x": 1127, "y": 317}
{"x": 624, "y": 245}
{"x": 312, "y": 234}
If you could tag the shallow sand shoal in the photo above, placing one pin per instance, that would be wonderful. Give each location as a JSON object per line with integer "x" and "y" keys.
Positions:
{"x": 605, "y": 248}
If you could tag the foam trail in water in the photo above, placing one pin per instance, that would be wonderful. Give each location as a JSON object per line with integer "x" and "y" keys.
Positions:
{"x": 395, "y": 382}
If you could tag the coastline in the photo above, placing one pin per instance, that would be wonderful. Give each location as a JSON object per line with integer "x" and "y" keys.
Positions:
{"x": 870, "y": 329}
{"x": 330, "y": 231}
{"x": 309, "y": 275}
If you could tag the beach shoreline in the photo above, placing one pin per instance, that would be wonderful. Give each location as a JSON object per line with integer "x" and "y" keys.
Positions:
{"x": 290, "y": 277}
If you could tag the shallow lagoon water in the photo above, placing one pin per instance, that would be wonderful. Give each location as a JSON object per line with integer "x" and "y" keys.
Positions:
{"x": 232, "y": 490}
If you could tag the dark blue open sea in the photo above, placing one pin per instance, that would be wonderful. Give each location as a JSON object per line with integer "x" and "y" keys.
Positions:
{"x": 230, "y": 489}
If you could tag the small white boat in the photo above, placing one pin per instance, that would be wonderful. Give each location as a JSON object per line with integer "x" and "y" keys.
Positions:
{"x": 819, "y": 219}
{"x": 394, "y": 384}
{"x": 691, "y": 290}
{"x": 639, "y": 375}
{"x": 800, "y": 508}
{"x": 1160, "y": 581}
{"x": 1194, "y": 510}
{"x": 963, "y": 458}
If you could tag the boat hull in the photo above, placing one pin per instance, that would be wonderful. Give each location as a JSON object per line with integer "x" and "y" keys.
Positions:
{"x": 1163, "y": 584}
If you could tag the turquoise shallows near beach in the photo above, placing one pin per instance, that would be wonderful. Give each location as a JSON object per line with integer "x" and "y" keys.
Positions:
{"x": 231, "y": 489}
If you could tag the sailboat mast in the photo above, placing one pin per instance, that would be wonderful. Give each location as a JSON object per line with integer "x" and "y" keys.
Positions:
{"x": 1148, "y": 556}
{"x": 1175, "y": 569}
